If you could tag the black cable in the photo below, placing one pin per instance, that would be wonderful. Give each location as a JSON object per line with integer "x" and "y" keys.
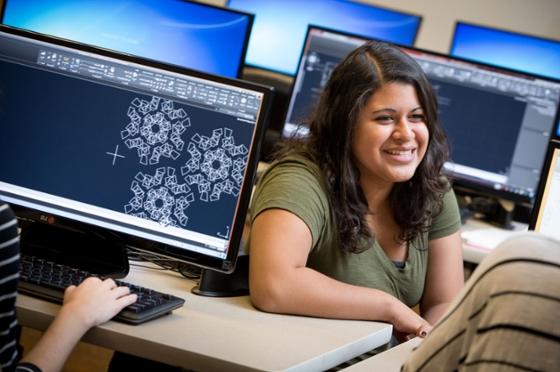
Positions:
{"x": 187, "y": 270}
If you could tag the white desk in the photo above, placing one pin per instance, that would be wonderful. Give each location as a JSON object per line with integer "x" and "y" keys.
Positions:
{"x": 479, "y": 238}
{"x": 224, "y": 334}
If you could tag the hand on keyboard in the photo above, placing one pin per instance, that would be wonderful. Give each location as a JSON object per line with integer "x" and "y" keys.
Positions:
{"x": 96, "y": 301}
{"x": 48, "y": 280}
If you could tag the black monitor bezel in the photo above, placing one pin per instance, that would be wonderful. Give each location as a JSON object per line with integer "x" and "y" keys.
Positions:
{"x": 553, "y": 145}
{"x": 242, "y": 56}
{"x": 460, "y": 184}
{"x": 225, "y": 265}
{"x": 419, "y": 16}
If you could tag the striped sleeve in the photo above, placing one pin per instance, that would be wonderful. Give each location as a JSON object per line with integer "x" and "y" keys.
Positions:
{"x": 9, "y": 274}
{"x": 506, "y": 317}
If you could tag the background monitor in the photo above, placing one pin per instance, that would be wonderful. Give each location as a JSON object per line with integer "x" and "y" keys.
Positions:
{"x": 498, "y": 121}
{"x": 159, "y": 157}
{"x": 507, "y": 49}
{"x": 279, "y": 30}
{"x": 185, "y": 33}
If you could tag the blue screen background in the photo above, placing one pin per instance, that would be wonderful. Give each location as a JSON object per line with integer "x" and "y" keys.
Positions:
{"x": 507, "y": 49}
{"x": 187, "y": 34}
{"x": 280, "y": 25}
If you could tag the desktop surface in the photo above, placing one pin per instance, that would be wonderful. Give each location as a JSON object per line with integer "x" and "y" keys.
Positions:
{"x": 223, "y": 334}
{"x": 479, "y": 238}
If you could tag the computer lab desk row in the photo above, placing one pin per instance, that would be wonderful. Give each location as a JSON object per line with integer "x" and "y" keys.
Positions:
{"x": 223, "y": 334}
{"x": 229, "y": 334}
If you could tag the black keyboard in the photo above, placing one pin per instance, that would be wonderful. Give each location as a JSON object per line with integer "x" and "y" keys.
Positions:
{"x": 48, "y": 280}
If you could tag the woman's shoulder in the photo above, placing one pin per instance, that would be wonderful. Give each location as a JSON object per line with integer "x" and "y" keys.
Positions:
{"x": 296, "y": 160}
{"x": 294, "y": 184}
{"x": 293, "y": 165}
{"x": 292, "y": 176}
{"x": 449, "y": 199}
{"x": 448, "y": 219}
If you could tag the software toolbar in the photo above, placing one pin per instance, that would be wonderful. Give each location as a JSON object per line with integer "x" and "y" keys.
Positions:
{"x": 235, "y": 102}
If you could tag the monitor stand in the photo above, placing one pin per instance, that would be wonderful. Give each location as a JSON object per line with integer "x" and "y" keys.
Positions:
{"x": 216, "y": 284}
{"x": 94, "y": 250}
{"x": 502, "y": 215}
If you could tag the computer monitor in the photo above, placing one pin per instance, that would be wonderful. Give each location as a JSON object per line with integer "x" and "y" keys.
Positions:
{"x": 545, "y": 217}
{"x": 498, "y": 121}
{"x": 279, "y": 31}
{"x": 150, "y": 155}
{"x": 185, "y": 33}
{"x": 508, "y": 49}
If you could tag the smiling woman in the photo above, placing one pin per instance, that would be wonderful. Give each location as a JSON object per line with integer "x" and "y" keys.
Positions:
{"x": 391, "y": 136}
{"x": 356, "y": 221}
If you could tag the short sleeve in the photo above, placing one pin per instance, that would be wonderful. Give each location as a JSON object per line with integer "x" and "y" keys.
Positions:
{"x": 448, "y": 221}
{"x": 294, "y": 185}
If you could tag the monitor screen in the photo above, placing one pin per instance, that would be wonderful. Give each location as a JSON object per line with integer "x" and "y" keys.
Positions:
{"x": 184, "y": 33}
{"x": 545, "y": 217}
{"x": 162, "y": 155}
{"x": 280, "y": 26}
{"x": 498, "y": 121}
{"x": 507, "y": 49}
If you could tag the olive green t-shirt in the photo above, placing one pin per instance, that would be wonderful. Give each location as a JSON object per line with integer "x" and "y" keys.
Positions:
{"x": 296, "y": 184}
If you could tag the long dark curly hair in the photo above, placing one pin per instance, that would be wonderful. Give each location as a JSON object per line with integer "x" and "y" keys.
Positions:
{"x": 329, "y": 144}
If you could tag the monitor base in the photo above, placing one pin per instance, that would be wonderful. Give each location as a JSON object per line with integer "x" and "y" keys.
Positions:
{"x": 216, "y": 284}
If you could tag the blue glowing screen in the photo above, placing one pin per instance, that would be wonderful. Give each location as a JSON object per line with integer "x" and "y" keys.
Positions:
{"x": 188, "y": 34}
{"x": 507, "y": 49}
{"x": 280, "y": 27}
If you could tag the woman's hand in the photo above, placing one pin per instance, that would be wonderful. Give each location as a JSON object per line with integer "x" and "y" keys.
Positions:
{"x": 95, "y": 301}
{"x": 408, "y": 324}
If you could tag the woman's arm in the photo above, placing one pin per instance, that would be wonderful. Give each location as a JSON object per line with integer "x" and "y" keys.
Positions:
{"x": 281, "y": 283}
{"x": 91, "y": 303}
{"x": 444, "y": 278}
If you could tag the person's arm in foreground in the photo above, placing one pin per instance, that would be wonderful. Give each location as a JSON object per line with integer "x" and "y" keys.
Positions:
{"x": 444, "y": 278}
{"x": 280, "y": 282}
{"x": 91, "y": 303}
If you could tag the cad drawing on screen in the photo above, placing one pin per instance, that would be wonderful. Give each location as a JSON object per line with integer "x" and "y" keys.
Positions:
{"x": 160, "y": 197}
{"x": 152, "y": 130}
{"x": 214, "y": 164}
